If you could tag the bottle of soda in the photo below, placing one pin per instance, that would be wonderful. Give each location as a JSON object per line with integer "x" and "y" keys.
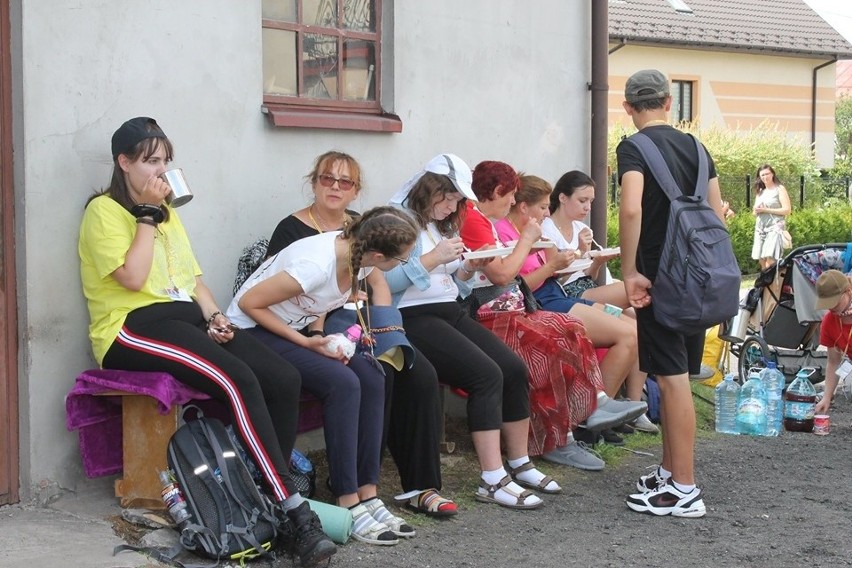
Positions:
{"x": 751, "y": 409}
{"x": 773, "y": 381}
{"x": 173, "y": 498}
{"x": 800, "y": 403}
{"x": 726, "y": 397}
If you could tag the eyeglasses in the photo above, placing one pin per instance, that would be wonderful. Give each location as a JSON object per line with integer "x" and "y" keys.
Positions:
{"x": 344, "y": 184}
{"x": 402, "y": 260}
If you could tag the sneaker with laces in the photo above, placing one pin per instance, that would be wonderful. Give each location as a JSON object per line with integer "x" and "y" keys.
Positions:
{"x": 367, "y": 529}
{"x": 308, "y": 541}
{"x": 668, "y": 500}
{"x": 651, "y": 481}
{"x": 644, "y": 424}
{"x": 576, "y": 454}
{"x": 397, "y": 525}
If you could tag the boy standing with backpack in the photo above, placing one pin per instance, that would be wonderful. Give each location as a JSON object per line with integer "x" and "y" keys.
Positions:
{"x": 668, "y": 354}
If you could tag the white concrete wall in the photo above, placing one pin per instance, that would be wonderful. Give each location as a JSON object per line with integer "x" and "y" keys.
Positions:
{"x": 485, "y": 79}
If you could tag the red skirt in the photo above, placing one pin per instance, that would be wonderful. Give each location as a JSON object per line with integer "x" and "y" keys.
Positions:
{"x": 564, "y": 374}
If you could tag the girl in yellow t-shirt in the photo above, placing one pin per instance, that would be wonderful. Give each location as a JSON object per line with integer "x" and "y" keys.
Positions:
{"x": 150, "y": 311}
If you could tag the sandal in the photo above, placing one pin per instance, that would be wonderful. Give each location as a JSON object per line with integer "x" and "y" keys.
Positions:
{"x": 429, "y": 502}
{"x": 520, "y": 498}
{"x": 541, "y": 486}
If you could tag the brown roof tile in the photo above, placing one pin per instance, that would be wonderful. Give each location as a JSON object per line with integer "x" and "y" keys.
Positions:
{"x": 783, "y": 27}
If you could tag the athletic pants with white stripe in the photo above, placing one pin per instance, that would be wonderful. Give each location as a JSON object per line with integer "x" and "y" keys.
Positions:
{"x": 259, "y": 387}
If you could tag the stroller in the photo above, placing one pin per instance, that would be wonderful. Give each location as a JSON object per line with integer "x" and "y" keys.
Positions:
{"x": 777, "y": 321}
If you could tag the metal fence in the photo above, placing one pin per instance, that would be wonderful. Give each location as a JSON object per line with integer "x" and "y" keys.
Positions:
{"x": 805, "y": 192}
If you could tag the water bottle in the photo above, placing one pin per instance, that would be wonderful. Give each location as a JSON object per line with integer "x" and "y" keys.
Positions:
{"x": 751, "y": 408}
{"x": 345, "y": 341}
{"x": 800, "y": 403}
{"x": 726, "y": 397}
{"x": 173, "y": 498}
{"x": 773, "y": 381}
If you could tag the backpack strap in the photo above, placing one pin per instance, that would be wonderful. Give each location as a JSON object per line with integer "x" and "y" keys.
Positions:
{"x": 224, "y": 470}
{"x": 660, "y": 170}
{"x": 163, "y": 555}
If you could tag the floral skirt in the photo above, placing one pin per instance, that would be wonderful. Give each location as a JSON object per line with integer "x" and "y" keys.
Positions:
{"x": 564, "y": 374}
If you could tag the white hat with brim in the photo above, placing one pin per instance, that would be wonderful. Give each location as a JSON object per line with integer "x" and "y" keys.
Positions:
{"x": 448, "y": 165}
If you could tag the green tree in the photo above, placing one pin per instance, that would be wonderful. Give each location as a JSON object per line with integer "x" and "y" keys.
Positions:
{"x": 842, "y": 137}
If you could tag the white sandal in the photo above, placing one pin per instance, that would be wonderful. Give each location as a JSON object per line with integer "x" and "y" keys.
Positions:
{"x": 367, "y": 529}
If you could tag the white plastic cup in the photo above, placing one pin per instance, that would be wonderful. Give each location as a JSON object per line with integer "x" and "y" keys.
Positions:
{"x": 180, "y": 194}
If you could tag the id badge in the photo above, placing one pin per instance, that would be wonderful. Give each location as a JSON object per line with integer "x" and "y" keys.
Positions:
{"x": 178, "y": 295}
{"x": 447, "y": 281}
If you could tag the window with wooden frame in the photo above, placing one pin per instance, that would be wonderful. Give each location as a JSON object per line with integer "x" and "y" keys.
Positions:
{"x": 322, "y": 64}
{"x": 682, "y": 101}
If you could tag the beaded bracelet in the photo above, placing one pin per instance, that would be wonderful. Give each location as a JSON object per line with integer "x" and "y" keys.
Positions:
{"x": 213, "y": 316}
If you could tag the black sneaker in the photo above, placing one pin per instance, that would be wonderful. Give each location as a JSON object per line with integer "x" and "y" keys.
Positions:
{"x": 612, "y": 438}
{"x": 309, "y": 542}
{"x": 668, "y": 500}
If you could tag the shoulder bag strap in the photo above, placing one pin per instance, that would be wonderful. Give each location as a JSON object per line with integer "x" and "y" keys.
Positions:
{"x": 660, "y": 170}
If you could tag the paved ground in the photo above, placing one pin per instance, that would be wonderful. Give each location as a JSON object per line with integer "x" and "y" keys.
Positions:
{"x": 773, "y": 502}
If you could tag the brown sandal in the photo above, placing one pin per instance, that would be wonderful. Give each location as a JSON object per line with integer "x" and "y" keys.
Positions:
{"x": 503, "y": 484}
{"x": 542, "y": 485}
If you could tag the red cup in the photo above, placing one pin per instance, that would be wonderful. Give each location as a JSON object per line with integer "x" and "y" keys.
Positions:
{"x": 822, "y": 425}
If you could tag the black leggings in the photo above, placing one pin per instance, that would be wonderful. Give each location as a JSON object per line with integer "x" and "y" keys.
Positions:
{"x": 413, "y": 431}
{"x": 468, "y": 356}
{"x": 252, "y": 380}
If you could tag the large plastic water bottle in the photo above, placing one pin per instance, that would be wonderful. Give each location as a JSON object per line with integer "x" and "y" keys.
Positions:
{"x": 751, "y": 409}
{"x": 773, "y": 381}
{"x": 727, "y": 397}
{"x": 800, "y": 403}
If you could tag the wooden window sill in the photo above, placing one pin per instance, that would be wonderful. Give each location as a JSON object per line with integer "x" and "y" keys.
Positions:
{"x": 289, "y": 117}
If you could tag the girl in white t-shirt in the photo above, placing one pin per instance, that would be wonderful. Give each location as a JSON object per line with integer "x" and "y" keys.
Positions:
{"x": 570, "y": 203}
{"x": 284, "y": 305}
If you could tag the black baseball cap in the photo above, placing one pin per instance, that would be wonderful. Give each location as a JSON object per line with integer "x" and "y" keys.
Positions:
{"x": 133, "y": 132}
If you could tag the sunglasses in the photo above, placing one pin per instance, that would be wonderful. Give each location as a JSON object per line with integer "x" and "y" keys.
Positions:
{"x": 402, "y": 260}
{"x": 344, "y": 184}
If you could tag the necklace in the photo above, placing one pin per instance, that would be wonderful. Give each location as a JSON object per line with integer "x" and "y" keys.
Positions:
{"x": 366, "y": 335}
{"x": 324, "y": 225}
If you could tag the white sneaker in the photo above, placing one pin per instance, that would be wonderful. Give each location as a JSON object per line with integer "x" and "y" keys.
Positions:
{"x": 644, "y": 424}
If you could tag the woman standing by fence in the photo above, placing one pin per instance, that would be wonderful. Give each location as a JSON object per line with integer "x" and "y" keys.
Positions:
{"x": 771, "y": 208}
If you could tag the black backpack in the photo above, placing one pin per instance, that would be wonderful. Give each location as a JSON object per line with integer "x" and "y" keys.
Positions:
{"x": 229, "y": 517}
{"x": 698, "y": 280}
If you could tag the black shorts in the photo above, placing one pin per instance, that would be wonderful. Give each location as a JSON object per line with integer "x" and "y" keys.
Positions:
{"x": 666, "y": 352}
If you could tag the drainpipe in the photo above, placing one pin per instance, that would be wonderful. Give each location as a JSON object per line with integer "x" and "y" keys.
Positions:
{"x": 814, "y": 101}
{"x": 599, "y": 88}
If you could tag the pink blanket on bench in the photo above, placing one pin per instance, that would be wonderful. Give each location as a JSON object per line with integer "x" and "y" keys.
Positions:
{"x": 98, "y": 418}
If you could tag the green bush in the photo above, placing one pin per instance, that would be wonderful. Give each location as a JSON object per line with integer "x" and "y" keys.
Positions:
{"x": 807, "y": 226}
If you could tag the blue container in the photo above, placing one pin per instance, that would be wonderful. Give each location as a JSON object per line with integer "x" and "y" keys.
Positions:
{"x": 727, "y": 396}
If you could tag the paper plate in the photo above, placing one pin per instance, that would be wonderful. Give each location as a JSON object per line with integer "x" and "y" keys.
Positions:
{"x": 604, "y": 252}
{"x": 489, "y": 253}
{"x": 579, "y": 264}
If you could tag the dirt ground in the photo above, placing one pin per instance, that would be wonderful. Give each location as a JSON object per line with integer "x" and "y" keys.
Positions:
{"x": 774, "y": 502}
